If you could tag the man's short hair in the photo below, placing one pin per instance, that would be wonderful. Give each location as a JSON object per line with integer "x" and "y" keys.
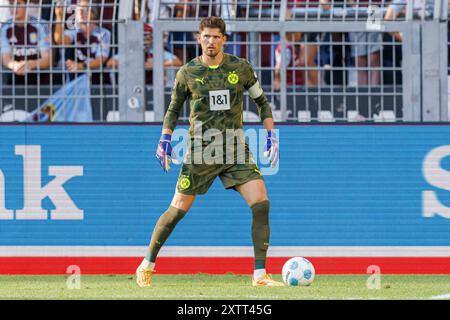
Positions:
{"x": 94, "y": 6}
{"x": 213, "y": 22}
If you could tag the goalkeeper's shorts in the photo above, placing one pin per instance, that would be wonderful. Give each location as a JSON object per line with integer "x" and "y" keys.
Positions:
{"x": 197, "y": 178}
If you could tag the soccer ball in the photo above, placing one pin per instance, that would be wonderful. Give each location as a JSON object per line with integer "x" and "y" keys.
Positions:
{"x": 298, "y": 271}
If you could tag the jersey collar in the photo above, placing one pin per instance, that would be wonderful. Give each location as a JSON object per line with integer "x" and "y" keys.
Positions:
{"x": 225, "y": 57}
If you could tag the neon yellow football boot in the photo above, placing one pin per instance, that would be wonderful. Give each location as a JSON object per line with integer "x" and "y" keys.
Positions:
{"x": 267, "y": 281}
{"x": 144, "y": 276}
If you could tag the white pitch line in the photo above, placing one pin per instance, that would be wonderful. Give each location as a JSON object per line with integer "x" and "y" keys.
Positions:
{"x": 224, "y": 251}
{"x": 442, "y": 296}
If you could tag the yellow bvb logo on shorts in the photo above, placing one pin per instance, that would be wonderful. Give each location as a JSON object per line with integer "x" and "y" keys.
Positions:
{"x": 185, "y": 182}
{"x": 233, "y": 78}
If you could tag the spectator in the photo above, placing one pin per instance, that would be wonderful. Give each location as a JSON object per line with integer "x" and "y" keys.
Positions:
{"x": 292, "y": 52}
{"x": 309, "y": 46}
{"x": 366, "y": 50}
{"x": 392, "y": 52}
{"x": 308, "y": 54}
{"x": 333, "y": 51}
{"x": 397, "y": 8}
{"x": 394, "y": 10}
{"x": 92, "y": 42}
{"x": 25, "y": 46}
{"x": 61, "y": 54}
{"x": 4, "y": 16}
{"x": 170, "y": 60}
{"x": 228, "y": 11}
{"x": 300, "y": 53}
{"x": 166, "y": 8}
{"x": 166, "y": 12}
{"x": 4, "y": 11}
{"x": 138, "y": 13}
{"x": 182, "y": 44}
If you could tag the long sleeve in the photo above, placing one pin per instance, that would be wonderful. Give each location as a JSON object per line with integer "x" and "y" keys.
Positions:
{"x": 180, "y": 93}
{"x": 255, "y": 92}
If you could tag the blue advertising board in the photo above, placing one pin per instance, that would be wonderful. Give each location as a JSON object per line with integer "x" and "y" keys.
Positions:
{"x": 336, "y": 185}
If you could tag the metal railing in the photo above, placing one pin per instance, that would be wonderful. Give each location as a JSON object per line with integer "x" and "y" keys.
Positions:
{"x": 37, "y": 68}
{"x": 366, "y": 65}
{"x": 448, "y": 63}
{"x": 317, "y": 60}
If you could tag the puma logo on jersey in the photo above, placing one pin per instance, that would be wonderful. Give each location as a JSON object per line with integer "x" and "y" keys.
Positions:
{"x": 202, "y": 80}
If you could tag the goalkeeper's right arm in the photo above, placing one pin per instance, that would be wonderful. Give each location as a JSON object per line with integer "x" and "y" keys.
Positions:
{"x": 180, "y": 93}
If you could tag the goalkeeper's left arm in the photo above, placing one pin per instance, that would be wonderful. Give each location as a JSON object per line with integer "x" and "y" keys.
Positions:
{"x": 265, "y": 113}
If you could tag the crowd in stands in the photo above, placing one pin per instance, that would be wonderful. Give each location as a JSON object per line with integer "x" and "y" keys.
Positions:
{"x": 34, "y": 49}
{"x": 42, "y": 39}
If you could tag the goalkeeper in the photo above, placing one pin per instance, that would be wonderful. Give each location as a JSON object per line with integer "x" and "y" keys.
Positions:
{"x": 215, "y": 82}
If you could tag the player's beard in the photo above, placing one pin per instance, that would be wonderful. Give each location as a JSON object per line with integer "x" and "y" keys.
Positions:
{"x": 212, "y": 53}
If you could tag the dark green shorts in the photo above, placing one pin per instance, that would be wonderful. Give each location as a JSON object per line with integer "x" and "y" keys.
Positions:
{"x": 197, "y": 178}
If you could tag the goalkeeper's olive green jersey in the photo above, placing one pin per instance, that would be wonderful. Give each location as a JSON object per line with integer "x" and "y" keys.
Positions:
{"x": 216, "y": 95}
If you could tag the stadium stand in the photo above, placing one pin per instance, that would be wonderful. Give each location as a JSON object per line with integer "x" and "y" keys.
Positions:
{"x": 352, "y": 61}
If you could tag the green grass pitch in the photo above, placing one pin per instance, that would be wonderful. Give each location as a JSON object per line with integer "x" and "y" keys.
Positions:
{"x": 223, "y": 287}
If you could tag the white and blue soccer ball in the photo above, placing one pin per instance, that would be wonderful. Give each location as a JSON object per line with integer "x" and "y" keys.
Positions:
{"x": 298, "y": 271}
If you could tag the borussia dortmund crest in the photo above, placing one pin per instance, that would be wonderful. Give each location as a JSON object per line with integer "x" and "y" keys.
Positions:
{"x": 185, "y": 182}
{"x": 233, "y": 78}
